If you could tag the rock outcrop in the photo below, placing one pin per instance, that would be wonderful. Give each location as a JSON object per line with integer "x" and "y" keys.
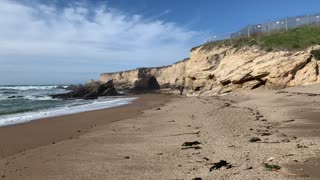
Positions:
{"x": 225, "y": 69}
{"x": 92, "y": 90}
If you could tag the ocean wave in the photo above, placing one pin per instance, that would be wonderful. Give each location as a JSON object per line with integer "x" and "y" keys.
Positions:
{"x": 39, "y": 98}
{"x": 94, "y": 105}
{"x": 28, "y": 97}
{"x": 25, "y": 88}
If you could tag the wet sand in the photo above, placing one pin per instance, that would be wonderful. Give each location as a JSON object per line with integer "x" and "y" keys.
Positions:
{"x": 33, "y": 134}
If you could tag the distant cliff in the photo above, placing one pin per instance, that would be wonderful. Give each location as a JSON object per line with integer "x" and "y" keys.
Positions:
{"x": 222, "y": 69}
{"x": 149, "y": 78}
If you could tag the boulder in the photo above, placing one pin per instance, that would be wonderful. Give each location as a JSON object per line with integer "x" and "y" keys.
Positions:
{"x": 89, "y": 91}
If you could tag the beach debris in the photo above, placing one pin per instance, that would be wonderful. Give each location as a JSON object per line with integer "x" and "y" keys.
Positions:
{"x": 157, "y": 109}
{"x": 3, "y": 176}
{"x": 53, "y": 142}
{"x": 301, "y": 146}
{"x": 220, "y": 164}
{"x": 78, "y": 130}
{"x": 192, "y": 147}
{"x": 289, "y": 155}
{"x": 271, "y": 159}
{"x": 290, "y": 120}
{"x": 205, "y": 158}
{"x": 196, "y": 133}
{"x": 197, "y": 178}
{"x": 285, "y": 140}
{"x": 294, "y": 137}
{"x": 248, "y": 168}
{"x": 172, "y": 121}
{"x": 127, "y": 157}
{"x": 254, "y": 139}
{"x": 265, "y": 134}
{"x": 192, "y": 143}
{"x": 159, "y": 154}
{"x": 272, "y": 167}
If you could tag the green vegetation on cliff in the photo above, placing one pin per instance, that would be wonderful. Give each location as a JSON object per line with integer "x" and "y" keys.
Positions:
{"x": 293, "y": 39}
{"x": 316, "y": 53}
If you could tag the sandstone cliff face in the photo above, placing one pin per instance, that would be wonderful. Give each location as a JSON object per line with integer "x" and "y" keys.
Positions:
{"x": 223, "y": 70}
{"x": 144, "y": 78}
{"x": 226, "y": 69}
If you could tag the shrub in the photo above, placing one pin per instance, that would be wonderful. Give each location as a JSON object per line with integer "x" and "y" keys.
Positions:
{"x": 252, "y": 42}
{"x": 295, "y": 46}
{"x": 316, "y": 54}
{"x": 269, "y": 49}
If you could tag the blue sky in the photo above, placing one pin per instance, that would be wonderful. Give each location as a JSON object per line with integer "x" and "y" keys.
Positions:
{"x": 71, "y": 41}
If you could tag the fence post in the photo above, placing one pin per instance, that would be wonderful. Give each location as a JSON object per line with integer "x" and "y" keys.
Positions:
{"x": 286, "y": 23}
{"x": 249, "y": 27}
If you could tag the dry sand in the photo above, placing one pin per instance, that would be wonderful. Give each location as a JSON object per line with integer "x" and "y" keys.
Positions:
{"x": 148, "y": 145}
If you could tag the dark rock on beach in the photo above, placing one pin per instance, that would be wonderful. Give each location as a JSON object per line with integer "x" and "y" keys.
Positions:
{"x": 254, "y": 139}
{"x": 92, "y": 90}
{"x": 191, "y": 143}
{"x": 220, "y": 164}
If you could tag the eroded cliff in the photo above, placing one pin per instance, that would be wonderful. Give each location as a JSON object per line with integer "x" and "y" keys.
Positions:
{"x": 224, "y": 69}
{"x": 149, "y": 78}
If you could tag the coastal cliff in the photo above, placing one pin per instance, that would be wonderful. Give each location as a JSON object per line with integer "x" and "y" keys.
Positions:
{"x": 222, "y": 69}
{"x": 149, "y": 78}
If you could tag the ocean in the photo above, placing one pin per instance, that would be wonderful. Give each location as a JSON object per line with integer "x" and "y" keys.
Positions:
{"x": 19, "y": 104}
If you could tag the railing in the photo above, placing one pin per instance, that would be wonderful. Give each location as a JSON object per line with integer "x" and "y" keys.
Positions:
{"x": 278, "y": 25}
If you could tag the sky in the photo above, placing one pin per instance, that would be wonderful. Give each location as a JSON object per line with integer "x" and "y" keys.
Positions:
{"x": 72, "y": 41}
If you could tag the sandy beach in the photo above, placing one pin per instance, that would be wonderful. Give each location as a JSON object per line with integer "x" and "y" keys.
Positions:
{"x": 21, "y": 137}
{"x": 173, "y": 137}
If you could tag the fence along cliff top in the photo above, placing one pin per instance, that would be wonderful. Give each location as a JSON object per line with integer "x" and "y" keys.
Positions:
{"x": 278, "y": 25}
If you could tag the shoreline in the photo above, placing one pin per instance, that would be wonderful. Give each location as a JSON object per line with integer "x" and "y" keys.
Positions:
{"x": 13, "y": 119}
{"x": 20, "y": 137}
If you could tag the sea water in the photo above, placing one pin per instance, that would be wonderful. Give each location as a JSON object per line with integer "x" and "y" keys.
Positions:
{"x": 19, "y": 104}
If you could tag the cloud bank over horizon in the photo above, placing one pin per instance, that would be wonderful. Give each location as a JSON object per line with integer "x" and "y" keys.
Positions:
{"x": 44, "y": 43}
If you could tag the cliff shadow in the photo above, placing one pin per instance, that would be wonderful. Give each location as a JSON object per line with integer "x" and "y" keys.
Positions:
{"x": 153, "y": 83}
{"x": 146, "y": 84}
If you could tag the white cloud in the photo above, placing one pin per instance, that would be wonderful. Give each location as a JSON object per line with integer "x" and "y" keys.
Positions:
{"x": 101, "y": 36}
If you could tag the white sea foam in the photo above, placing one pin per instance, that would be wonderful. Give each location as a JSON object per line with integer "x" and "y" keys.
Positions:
{"x": 24, "y": 88}
{"x": 28, "y": 97}
{"x": 96, "y": 105}
{"x": 39, "y": 98}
